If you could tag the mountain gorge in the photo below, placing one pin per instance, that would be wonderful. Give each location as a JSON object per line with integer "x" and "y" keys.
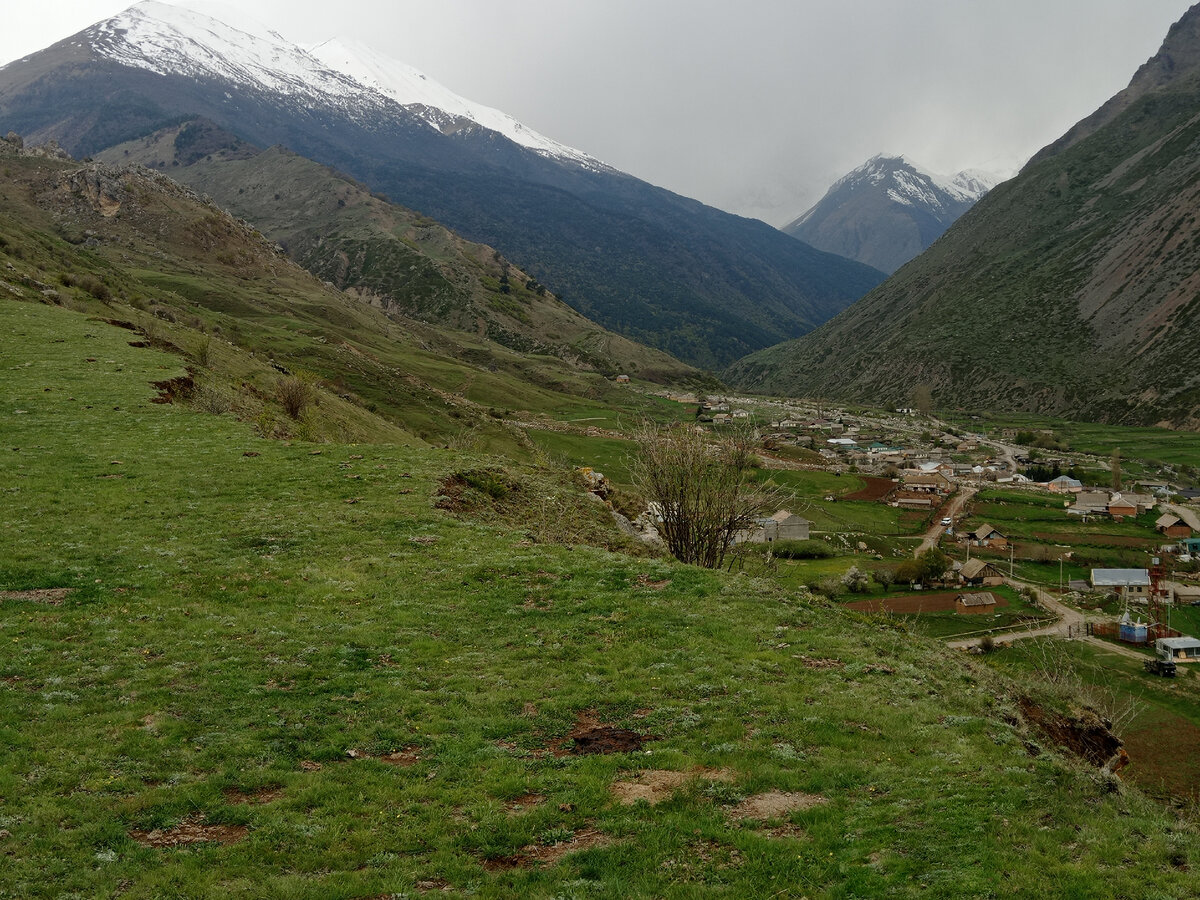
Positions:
{"x": 888, "y": 211}
{"x": 665, "y": 270}
{"x": 1072, "y": 289}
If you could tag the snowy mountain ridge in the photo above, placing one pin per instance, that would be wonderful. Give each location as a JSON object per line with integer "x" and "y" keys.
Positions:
{"x": 889, "y": 209}
{"x": 168, "y": 39}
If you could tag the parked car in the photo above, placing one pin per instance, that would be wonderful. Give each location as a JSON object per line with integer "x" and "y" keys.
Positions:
{"x": 947, "y": 521}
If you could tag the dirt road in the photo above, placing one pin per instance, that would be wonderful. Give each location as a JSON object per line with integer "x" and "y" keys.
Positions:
{"x": 935, "y": 531}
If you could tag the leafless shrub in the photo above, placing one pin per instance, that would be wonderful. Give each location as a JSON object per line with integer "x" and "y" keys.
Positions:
{"x": 295, "y": 395}
{"x": 699, "y": 490}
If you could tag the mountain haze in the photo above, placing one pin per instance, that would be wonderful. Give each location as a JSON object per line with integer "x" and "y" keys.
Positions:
{"x": 888, "y": 210}
{"x": 1073, "y": 289}
{"x": 705, "y": 285}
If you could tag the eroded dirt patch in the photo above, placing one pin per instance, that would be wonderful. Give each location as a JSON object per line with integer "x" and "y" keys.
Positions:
{"x": 173, "y": 390}
{"x": 656, "y": 785}
{"x": 45, "y": 596}
{"x": 192, "y": 831}
{"x": 409, "y": 756}
{"x": 1084, "y": 734}
{"x": 774, "y": 805}
{"x": 548, "y": 854}
{"x": 252, "y": 798}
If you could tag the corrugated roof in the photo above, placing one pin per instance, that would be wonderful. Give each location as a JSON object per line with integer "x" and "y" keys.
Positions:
{"x": 976, "y": 599}
{"x": 1121, "y": 577}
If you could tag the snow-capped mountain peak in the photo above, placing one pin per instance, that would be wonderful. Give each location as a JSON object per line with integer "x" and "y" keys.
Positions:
{"x": 177, "y": 40}
{"x": 888, "y": 210}
{"x": 410, "y": 87}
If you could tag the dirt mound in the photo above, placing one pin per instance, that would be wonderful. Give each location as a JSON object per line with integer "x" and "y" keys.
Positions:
{"x": 254, "y": 798}
{"x": 590, "y": 736}
{"x": 1084, "y": 734}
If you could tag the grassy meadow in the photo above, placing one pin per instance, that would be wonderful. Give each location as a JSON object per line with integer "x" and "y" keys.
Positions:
{"x": 239, "y": 667}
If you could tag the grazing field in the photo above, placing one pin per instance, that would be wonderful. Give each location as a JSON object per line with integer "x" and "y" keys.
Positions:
{"x": 808, "y": 490}
{"x": 237, "y": 667}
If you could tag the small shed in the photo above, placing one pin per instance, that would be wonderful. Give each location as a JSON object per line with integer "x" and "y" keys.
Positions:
{"x": 1119, "y": 508}
{"x": 974, "y": 604}
{"x": 787, "y": 527}
{"x": 622, "y": 379}
{"x": 1181, "y": 649}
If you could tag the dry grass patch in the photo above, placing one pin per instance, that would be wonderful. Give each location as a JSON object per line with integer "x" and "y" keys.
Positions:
{"x": 45, "y": 596}
{"x": 774, "y": 805}
{"x": 656, "y": 785}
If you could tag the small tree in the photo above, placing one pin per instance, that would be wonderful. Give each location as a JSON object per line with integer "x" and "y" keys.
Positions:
{"x": 856, "y": 580}
{"x": 884, "y": 577}
{"x": 699, "y": 490}
{"x": 1115, "y": 465}
{"x": 295, "y": 394}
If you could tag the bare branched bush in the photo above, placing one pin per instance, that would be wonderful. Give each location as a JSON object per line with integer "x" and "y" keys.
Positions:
{"x": 699, "y": 490}
{"x": 295, "y": 395}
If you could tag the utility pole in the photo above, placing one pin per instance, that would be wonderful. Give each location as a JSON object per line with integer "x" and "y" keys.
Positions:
{"x": 1011, "y": 549}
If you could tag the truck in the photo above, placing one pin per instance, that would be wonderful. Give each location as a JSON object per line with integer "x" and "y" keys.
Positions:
{"x": 1161, "y": 665}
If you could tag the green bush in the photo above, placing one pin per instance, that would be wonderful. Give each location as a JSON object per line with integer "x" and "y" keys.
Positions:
{"x": 802, "y": 549}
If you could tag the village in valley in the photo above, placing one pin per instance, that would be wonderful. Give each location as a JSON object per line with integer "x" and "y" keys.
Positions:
{"x": 978, "y": 534}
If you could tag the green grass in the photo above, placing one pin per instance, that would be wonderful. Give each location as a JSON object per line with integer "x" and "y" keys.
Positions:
{"x": 241, "y": 622}
{"x": 807, "y": 490}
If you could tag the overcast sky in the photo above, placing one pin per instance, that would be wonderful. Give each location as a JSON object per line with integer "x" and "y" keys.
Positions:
{"x": 754, "y": 106}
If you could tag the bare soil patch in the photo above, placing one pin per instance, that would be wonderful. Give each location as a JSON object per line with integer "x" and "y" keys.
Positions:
{"x": 548, "y": 854}
{"x": 591, "y": 736}
{"x": 191, "y": 831}
{"x": 253, "y": 798}
{"x": 1084, "y": 734}
{"x": 774, "y": 805}
{"x": 919, "y": 603}
{"x": 656, "y": 785}
{"x": 45, "y": 596}
{"x": 174, "y": 390}
{"x": 409, "y": 756}
{"x": 875, "y": 489}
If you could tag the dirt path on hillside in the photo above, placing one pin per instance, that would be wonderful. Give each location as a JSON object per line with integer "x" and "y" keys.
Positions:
{"x": 957, "y": 502}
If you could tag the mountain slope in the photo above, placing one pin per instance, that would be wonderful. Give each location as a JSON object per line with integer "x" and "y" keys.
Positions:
{"x": 888, "y": 210}
{"x": 668, "y": 271}
{"x": 130, "y": 245}
{"x": 1073, "y": 289}
{"x": 386, "y": 255}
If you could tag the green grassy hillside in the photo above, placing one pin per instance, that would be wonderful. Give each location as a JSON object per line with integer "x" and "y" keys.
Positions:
{"x": 239, "y": 667}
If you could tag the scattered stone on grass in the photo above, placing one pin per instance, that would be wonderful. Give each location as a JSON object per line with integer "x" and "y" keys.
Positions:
{"x": 656, "y": 785}
{"x": 424, "y": 539}
{"x": 45, "y": 596}
{"x": 309, "y": 766}
{"x": 191, "y": 831}
{"x": 774, "y": 805}
{"x": 252, "y": 798}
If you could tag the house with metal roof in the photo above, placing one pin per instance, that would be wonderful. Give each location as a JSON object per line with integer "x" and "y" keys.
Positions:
{"x": 1180, "y": 649}
{"x": 1129, "y": 583}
